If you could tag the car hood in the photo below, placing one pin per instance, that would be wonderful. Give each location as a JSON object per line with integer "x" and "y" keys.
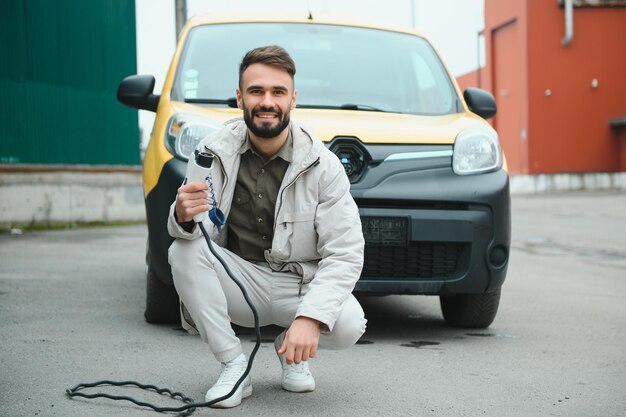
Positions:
{"x": 367, "y": 126}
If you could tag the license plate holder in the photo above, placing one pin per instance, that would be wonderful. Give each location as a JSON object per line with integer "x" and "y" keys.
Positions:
{"x": 386, "y": 231}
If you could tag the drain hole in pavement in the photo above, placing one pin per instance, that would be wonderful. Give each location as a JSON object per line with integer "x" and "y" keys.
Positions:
{"x": 419, "y": 344}
{"x": 364, "y": 342}
{"x": 481, "y": 334}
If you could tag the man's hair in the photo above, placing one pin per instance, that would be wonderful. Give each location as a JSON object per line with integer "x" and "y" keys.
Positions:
{"x": 269, "y": 55}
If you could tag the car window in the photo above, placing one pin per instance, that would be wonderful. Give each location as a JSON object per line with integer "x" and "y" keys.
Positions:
{"x": 337, "y": 66}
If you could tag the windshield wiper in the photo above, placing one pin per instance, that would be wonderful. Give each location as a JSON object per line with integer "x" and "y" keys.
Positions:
{"x": 347, "y": 106}
{"x": 231, "y": 102}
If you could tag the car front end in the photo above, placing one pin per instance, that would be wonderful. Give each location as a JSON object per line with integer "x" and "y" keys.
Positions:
{"x": 427, "y": 172}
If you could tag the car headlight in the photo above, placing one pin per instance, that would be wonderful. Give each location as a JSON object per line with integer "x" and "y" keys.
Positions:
{"x": 184, "y": 132}
{"x": 476, "y": 150}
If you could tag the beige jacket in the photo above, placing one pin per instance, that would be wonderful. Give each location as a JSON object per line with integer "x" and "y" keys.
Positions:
{"x": 317, "y": 228}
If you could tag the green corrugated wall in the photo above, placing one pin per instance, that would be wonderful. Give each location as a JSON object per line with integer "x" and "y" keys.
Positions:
{"x": 60, "y": 64}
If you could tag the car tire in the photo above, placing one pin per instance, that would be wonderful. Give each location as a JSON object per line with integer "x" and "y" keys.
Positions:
{"x": 162, "y": 304}
{"x": 470, "y": 310}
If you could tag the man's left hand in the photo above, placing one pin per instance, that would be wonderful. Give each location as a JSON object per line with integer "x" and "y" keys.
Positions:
{"x": 301, "y": 340}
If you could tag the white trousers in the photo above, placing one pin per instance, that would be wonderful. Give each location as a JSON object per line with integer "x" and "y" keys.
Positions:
{"x": 214, "y": 301}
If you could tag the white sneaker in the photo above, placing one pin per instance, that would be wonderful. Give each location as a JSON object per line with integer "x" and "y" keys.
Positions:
{"x": 231, "y": 373}
{"x": 296, "y": 377}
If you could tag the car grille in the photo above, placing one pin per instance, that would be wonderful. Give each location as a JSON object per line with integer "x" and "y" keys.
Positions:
{"x": 417, "y": 260}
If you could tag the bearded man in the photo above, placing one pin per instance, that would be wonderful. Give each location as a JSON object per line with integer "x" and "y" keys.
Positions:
{"x": 293, "y": 235}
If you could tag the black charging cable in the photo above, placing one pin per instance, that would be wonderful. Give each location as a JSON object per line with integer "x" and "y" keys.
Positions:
{"x": 190, "y": 406}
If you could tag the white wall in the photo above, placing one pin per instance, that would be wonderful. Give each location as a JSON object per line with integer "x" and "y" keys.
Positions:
{"x": 453, "y": 26}
{"x": 156, "y": 40}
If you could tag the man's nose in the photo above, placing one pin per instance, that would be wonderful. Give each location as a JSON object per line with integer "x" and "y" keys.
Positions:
{"x": 267, "y": 100}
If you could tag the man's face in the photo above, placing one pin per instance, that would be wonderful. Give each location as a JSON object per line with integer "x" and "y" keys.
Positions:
{"x": 266, "y": 96}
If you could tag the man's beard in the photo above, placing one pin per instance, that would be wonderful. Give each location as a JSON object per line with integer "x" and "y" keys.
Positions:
{"x": 266, "y": 129}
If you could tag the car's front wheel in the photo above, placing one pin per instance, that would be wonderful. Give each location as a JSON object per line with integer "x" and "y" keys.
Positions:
{"x": 470, "y": 310}
{"x": 162, "y": 305}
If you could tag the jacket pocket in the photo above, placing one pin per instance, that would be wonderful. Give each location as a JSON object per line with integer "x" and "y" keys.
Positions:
{"x": 297, "y": 232}
{"x": 299, "y": 217}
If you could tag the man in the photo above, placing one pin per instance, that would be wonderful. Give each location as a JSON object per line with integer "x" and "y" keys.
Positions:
{"x": 293, "y": 235}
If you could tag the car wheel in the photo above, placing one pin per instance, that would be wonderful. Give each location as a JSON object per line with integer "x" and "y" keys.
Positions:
{"x": 470, "y": 310}
{"x": 162, "y": 305}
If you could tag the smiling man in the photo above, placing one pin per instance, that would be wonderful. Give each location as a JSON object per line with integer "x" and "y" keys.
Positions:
{"x": 293, "y": 235}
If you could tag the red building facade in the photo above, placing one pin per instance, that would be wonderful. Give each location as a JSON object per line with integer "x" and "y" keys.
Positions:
{"x": 561, "y": 108}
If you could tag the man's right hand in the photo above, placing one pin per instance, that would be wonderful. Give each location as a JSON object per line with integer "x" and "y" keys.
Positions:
{"x": 191, "y": 199}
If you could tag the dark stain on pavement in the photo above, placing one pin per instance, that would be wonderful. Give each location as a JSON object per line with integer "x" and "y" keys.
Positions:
{"x": 420, "y": 344}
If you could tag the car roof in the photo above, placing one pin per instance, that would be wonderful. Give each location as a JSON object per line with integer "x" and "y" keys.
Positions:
{"x": 291, "y": 17}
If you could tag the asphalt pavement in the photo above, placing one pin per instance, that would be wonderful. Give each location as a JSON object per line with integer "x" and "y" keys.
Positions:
{"x": 71, "y": 305}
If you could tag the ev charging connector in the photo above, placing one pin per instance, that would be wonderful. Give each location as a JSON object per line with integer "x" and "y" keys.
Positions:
{"x": 198, "y": 170}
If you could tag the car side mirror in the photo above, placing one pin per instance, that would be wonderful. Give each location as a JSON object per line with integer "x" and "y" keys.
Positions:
{"x": 136, "y": 91}
{"x": 480, "y": 102}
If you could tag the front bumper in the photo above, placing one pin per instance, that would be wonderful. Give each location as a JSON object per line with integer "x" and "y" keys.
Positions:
{"x": 459, "y": 233}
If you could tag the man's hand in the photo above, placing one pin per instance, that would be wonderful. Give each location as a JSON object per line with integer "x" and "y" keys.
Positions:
{"x": 191, "y": 199}
{"x": 301, "y": 340}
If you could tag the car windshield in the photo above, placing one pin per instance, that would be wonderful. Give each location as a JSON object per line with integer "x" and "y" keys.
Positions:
{"x": 337, "y": 67}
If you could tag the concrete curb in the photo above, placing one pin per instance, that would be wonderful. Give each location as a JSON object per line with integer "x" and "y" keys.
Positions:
{"x": 66, "y": 197}
{"x": 593, "y": 181}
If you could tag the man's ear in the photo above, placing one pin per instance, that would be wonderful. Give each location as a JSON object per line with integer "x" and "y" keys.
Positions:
{"x": 293, "y": 99}
{"x": 239, "y": 99}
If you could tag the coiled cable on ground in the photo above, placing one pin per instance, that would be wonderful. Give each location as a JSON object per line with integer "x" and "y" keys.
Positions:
{"x": 190, "y": 406}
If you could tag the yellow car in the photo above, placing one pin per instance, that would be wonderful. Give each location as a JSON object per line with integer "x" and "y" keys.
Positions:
{"x": 426, "y": 168}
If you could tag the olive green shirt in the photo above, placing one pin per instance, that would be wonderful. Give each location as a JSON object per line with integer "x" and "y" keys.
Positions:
{"x": 251, "y": 218}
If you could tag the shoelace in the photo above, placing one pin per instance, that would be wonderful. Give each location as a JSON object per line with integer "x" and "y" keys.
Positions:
{"x": 300, "y": 368}
{"x": 231, "y": 374}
